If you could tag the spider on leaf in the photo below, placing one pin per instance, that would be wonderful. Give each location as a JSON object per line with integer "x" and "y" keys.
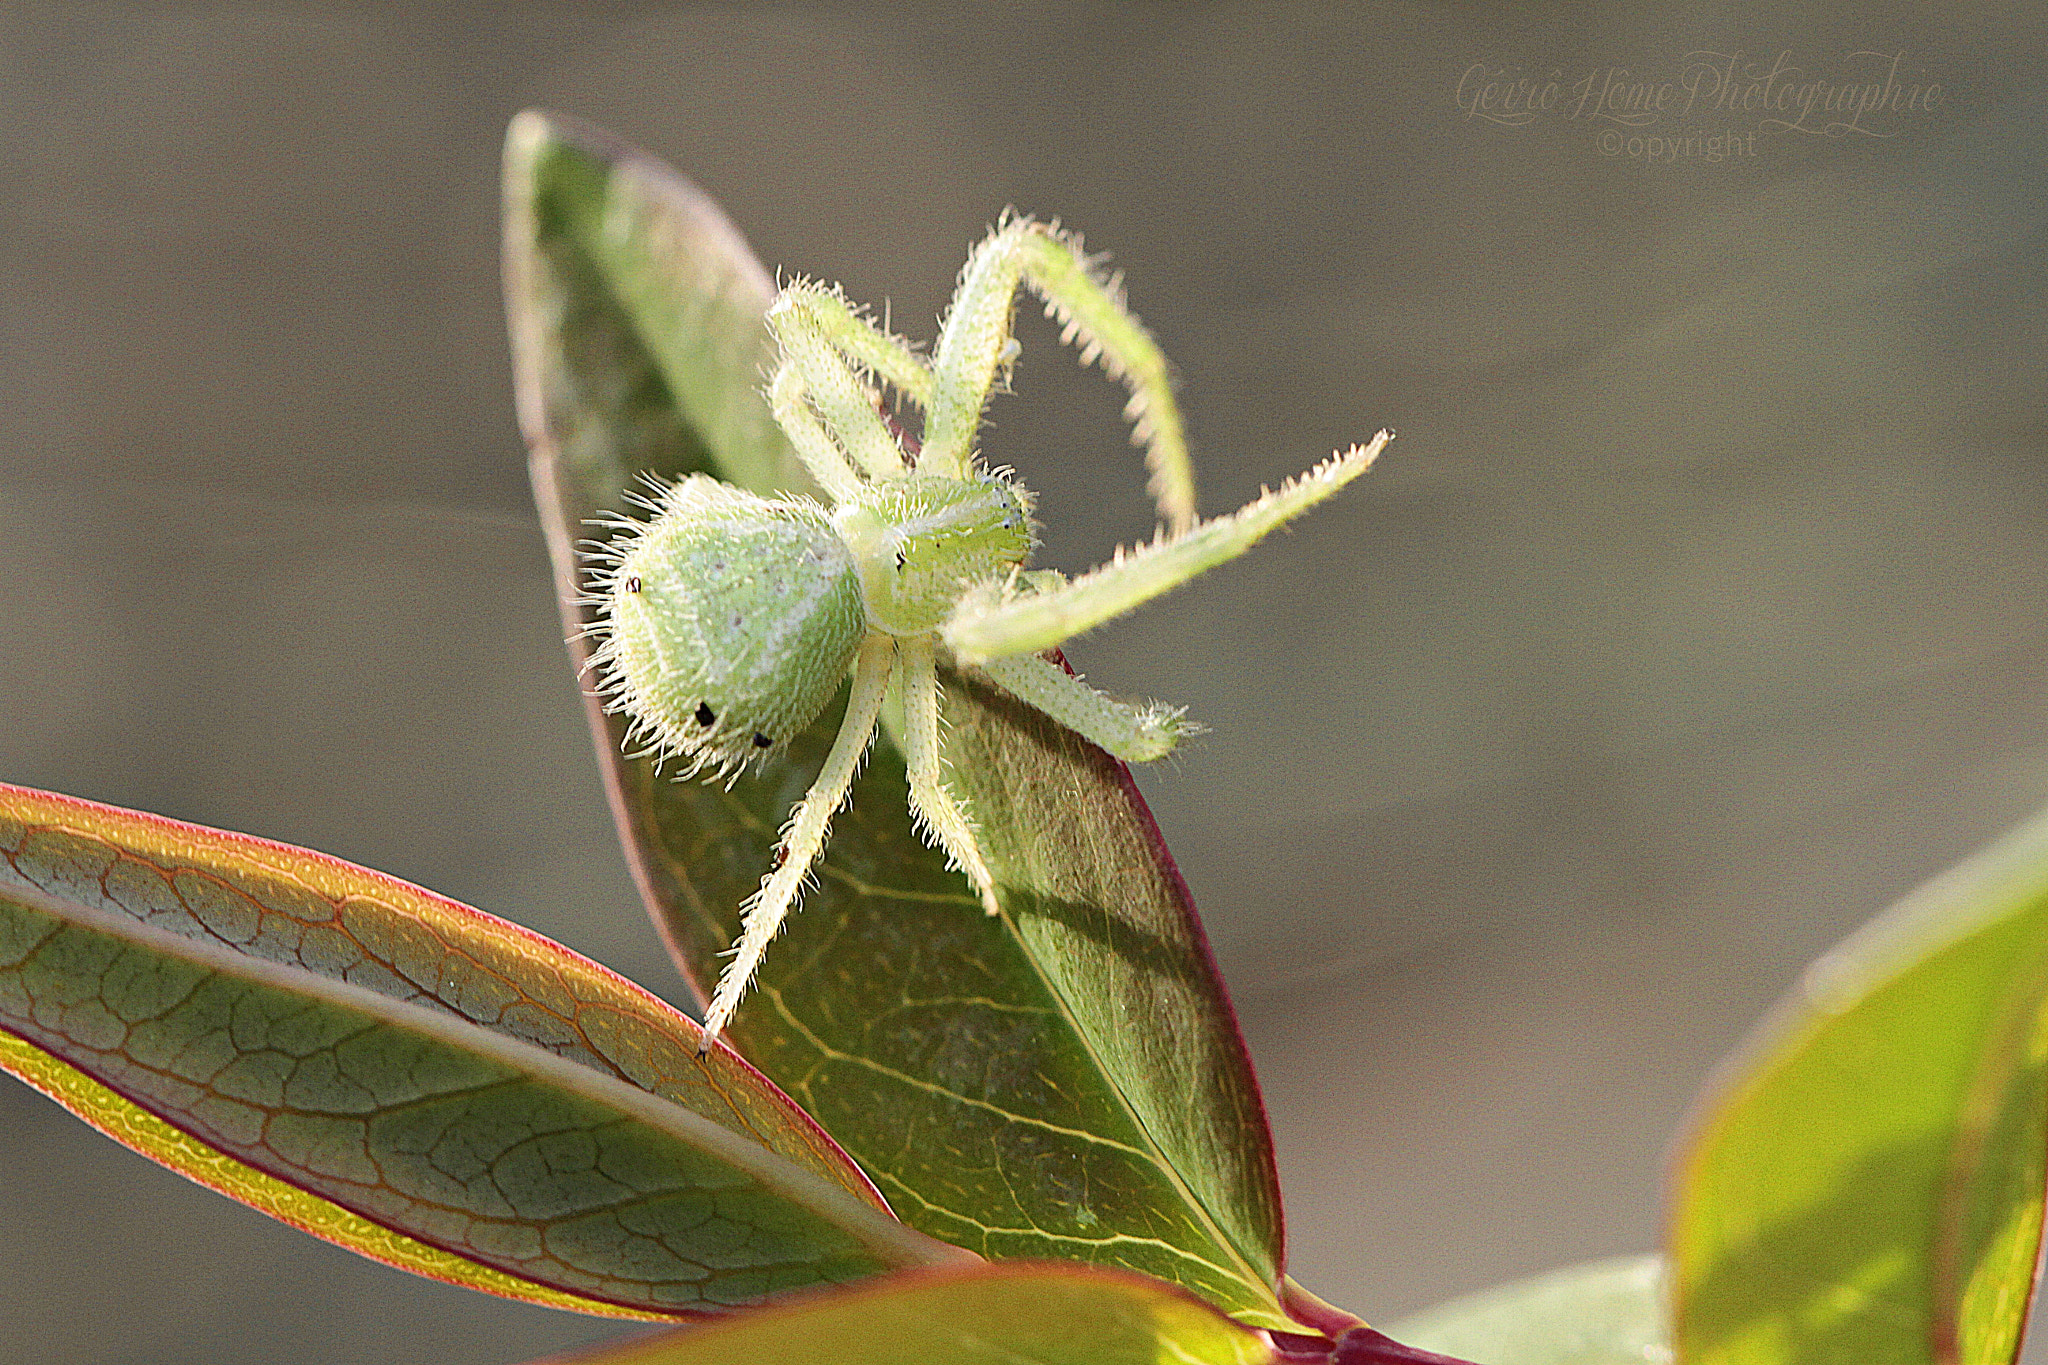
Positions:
{"x": 727, "y": 622}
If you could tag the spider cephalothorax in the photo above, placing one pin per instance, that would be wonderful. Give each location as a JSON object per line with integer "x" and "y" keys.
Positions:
{"x": 728, "y": 621}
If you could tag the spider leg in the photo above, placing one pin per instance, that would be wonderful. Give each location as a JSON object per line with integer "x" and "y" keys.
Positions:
{"x": 803, "y": 838}
{"x": 847, "y": 404}
{"x": 936, "y": 809}
{"x": 814, "y": 445}
{"x": 975, "y": 337}
{"x": 1134, "y": 733}
{"x": 857, "y": 338}
{"x": 990, "y": 623}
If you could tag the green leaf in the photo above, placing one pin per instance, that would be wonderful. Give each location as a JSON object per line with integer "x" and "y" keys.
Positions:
{"x": 407, "y": 1077}
{"x": 1866, "y": 1184}
{"x": 1601, "y": 1313}
{"x": 1015, "y": 1314}
{"x": 1064, "y": 1081}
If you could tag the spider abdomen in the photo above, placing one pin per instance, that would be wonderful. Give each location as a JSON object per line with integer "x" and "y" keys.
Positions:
{"x": 919, "y": 540}
{"x": 730, "y": 622}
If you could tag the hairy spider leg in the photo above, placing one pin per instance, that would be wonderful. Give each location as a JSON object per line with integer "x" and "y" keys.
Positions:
{"x": 1134, "y": 732}
{"x": 994, "y": 621}
{"x": 933, "y": 803}
{"x": 859, "y": 339}
{"x": 846, "y": 404}
{"x": 974, "y": 342}
{"x": 803, "y": 838}
{"x": 814, "y": 445}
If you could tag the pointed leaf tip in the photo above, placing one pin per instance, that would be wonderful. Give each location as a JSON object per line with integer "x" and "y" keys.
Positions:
{"x": 1041, "y": 1123}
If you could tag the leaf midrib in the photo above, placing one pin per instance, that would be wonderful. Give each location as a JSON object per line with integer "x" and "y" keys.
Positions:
{"x": 881, "y": 1235}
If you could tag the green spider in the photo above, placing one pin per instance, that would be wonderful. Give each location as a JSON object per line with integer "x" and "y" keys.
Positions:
{"x": 728, "y": 621}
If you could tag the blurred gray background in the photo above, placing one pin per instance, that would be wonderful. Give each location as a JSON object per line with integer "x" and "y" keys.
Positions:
{"x": 1699, "y": 611}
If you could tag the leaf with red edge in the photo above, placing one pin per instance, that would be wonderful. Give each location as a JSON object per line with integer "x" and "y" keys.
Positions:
{"x": 1065, "y": 1080}
{"x": 408, "y": 1077}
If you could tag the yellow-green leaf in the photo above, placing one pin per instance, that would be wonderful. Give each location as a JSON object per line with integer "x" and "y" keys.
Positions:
{"x": 406, "y": 1076}
{"x": 1018, "y": 1313}
{"x": 1865, "y": 1184}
